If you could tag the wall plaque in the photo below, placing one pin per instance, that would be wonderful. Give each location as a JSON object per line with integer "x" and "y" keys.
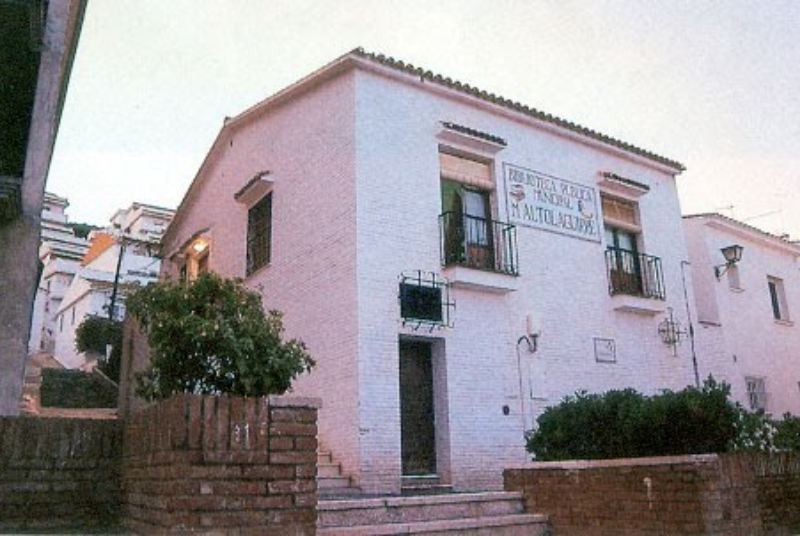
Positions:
{"x": 534, "y": 199}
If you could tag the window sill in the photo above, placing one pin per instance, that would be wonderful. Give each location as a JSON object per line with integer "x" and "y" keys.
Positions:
{"x": 625, "y": 303}
{"x": 257, "y": 271}
{"x": 468, "y": 278}
{"x": 782, "y": 322}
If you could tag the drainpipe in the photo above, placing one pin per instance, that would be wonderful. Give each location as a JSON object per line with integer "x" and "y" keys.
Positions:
{"x": 691, "y": 324}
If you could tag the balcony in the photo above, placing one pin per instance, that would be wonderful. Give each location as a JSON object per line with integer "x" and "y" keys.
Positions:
{"x": 478, "y": 243}
{"x": 638, "y": 276}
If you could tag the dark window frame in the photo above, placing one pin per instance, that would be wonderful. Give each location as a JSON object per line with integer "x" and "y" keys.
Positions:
{"x": 259, "y": 234}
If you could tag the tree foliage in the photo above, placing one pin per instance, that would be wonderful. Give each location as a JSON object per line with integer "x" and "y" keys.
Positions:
{"x": 213, "y": 337}
{"x": 93, "y": 335}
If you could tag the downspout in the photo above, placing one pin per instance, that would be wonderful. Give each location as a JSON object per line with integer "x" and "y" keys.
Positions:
{"x": 691, "y": 324}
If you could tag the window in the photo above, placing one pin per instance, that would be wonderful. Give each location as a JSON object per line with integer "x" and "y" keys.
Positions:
{"x": 756, "y": 393}
{"x": 734, "y": 279}
{"x": 629, "y": 271}
{"x": 72, "y": 322}
{"x": 777, "y": 296}
{"x": 469, "y": 235}
{"x": 259, "y": 234}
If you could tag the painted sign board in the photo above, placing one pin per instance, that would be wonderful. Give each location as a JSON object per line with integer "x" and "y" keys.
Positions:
{"x": 534, "y": 199}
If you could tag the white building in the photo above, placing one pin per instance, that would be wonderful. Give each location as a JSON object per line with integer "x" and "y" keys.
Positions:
{"x": 128, "y": 248}
{"x": 747, "y": 334}
{"x": 454, "y": 261}
{"x": 60, "y": 254}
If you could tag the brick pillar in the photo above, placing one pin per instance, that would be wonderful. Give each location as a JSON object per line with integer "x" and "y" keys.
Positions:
{"x": 222, "y": 465}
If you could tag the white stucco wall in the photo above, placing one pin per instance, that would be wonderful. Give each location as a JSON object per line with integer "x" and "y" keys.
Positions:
{"x": 562, "y": 281}
{"x": 307, "y": 145}
{"x": 746, "y": 340}
{"x": 356, "y": 202}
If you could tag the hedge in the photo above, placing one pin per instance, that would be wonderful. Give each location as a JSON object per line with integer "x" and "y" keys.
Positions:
{"x": 76, "y": 389}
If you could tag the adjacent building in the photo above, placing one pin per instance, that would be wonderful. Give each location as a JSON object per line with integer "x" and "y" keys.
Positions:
{"x": 454, "y": 261}
{"x": 121, "y": 257}
{"x": 747, "y": 309}
{"x": 37, "y": 47}
{"x": 60, "y": 255}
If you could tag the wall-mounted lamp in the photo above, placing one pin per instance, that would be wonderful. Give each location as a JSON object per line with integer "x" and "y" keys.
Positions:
{"x": 732, "y": 254}
{"x": 199, "y": 246}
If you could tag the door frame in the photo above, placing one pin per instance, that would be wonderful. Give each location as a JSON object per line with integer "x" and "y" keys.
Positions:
{"x": 440, "y": 403}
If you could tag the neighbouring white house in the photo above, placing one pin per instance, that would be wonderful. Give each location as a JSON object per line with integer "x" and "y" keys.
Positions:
{"x": 60, "y": 254}
{"x": 121, "y": 257}
{"x": 747, "y": 310}
{"x": 455, "y": 262}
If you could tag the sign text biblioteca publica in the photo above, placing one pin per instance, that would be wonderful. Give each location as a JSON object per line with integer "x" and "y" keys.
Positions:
{"x": 537, "y": 200}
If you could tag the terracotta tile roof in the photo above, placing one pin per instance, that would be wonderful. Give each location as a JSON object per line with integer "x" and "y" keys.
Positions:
{"x": 513, "y": 105}
{"x": 100, "y": 243}
{"x": 721, "y": 217}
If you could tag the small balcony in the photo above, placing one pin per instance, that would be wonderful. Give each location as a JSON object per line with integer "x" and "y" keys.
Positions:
{"x": 478, "y": 243}
{"x": 634, "y": 274}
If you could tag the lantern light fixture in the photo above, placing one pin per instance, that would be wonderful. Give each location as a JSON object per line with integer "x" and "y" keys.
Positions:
{"x": 732, "y": 254}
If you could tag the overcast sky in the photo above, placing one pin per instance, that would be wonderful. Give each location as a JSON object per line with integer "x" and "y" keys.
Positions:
{"x": 712, "y": 84}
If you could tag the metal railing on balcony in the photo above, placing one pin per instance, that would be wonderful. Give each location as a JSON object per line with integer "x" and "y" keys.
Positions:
{"x": 634, "y": 274}
{"x": 478, "y": 243}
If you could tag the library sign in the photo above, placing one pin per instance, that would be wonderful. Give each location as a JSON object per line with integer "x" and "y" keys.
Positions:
{"x": 537, "y": 200}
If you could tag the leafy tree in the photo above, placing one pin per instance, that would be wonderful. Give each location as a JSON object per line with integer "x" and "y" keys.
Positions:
{"x": 82, "y": 230}
{"x": 213, "y": 337}
{"x": 93, "y": 335}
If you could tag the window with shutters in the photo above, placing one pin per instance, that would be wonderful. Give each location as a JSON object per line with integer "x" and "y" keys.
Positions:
{"x": 756, "y": 393}
{"x": 630, "y": 271}
{"x": 259, "y": 234}
{"x": 469, "y": 235}
{"x": 777, "y": 296}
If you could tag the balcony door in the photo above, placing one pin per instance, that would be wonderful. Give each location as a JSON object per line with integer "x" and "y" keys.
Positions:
{"x": 468, "y": 231}
{"x": 625, "y": 270}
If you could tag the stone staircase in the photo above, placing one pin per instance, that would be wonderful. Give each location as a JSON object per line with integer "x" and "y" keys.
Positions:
{"x": 330, "y": 480}
{"x": 476, "y": 514}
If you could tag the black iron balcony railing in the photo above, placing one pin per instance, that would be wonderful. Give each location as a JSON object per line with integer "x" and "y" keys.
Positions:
{"x": 635, "y": 274}
{"x": 478, "y": 243}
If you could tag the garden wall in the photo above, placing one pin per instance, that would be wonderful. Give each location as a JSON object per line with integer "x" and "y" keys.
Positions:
{"x": 707, "y": 494}
{"x": 59, "y": 474}
{"x": 222, "y": 465}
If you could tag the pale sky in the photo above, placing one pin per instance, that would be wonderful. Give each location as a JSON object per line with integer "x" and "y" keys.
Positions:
{"x": 714, "y": 85}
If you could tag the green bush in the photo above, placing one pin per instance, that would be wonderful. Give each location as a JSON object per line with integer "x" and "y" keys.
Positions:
{"x": 76, "y": 389}
{"x": 626, "y": 424}
{"x": 213, "y": 337}
{"x": 93, "y": 335}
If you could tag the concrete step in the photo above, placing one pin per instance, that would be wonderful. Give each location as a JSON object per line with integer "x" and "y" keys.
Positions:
{"x": 454, "y": 513}
{"x": 330, "y": 480}
{"x": 511, "y": 525}
{"x": 328, "y": 470}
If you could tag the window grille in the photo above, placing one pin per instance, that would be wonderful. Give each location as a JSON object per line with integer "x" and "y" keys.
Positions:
{"x": 259, "y": 234}
{"x": 756, "y": 393}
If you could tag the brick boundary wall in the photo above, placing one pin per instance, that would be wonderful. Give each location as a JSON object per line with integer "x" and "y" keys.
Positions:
{"x": 750, "y": 494}
{"x": 222, "y": 465}
{"x": 59, "y": 474}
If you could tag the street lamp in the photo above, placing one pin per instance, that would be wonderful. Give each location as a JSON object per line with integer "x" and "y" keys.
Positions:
{"x": 732, "y": 254}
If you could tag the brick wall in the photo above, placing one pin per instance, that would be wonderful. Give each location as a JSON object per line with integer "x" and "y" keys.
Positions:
{"x": 222, "y": 465}
{"x": 59, "y": 474}
{"x": 708, "y": 494}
